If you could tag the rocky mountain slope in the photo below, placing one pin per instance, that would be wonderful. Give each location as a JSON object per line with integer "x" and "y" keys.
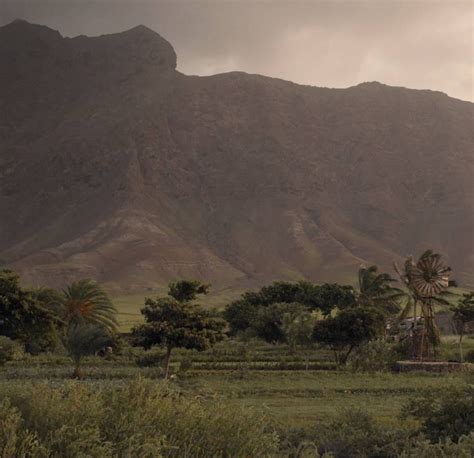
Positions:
{"x": 113, "y": 165}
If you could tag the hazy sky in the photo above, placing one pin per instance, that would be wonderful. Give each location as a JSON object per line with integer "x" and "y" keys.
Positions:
{"x": 418, "y": 44}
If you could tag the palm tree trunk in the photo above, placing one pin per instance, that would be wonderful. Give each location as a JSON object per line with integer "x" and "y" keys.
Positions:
{"x": 461, "y": 354}
{"x": 167, "y": 361}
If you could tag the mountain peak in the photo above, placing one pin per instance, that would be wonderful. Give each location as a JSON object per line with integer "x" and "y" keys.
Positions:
{"x": 20, "y": 32}
{"x": 124, "y": 52}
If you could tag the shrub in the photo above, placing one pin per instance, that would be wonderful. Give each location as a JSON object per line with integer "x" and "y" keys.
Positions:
{"x": 150, "y": 358}
{"x": 464, "y": 448}
{"x": 14, "y": 439}
{"x": 185, "y": 364}
{"x": 469, "y": 358}
{"x": 7, "y": 350}
{"x": 141, "y": 418}
{"x": 375, "y": 356}
{"x": 355, "y": 434}
{"x": 446, "y": 415}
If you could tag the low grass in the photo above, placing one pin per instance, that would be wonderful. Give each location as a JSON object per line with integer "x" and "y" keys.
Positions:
{"x": 300, "y": 399}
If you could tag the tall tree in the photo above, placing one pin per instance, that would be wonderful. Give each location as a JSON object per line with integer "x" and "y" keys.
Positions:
{"x": 88, "y": 317}
{"x": 171, "y": 323}
{"x": 348, "y": 330}
{"x": 463, "y": 313}
{"x": 427, "y": 281}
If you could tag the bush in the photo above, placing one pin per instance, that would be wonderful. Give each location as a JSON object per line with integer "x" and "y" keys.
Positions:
{"x": 374, "y": 356}
{"x": 14, "y": 439}
{"x": 185, "y": 364}
{"x": 464, "y": 448}
{"x": 141, "y": 418}
{"x": 469, "y": 358}
{"x": 355, "y": 434}
{"x": 7, "y": 350}
{"x": 445, "y": 415}
{"x": 150, "y": 358}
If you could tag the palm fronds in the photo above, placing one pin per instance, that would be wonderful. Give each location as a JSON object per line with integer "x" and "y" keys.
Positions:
{"x": 375, "y": 289}
{"x": 86, "y": 302}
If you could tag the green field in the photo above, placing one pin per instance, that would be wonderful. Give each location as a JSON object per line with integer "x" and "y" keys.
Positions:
{"x": 291, "y": 398}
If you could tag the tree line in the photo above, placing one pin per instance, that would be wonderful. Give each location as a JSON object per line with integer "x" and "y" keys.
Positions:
{"x": 300, "y": 314}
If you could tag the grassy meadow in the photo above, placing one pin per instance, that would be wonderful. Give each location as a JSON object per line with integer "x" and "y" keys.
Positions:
{"x": 264, "y": 377}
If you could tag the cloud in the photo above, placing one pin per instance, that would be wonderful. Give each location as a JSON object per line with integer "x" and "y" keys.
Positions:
{"x": 417, "y": 44}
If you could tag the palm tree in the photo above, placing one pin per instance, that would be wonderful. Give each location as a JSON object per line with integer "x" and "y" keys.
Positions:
{"x": 84, "y": 340}
{"x": 88, "y": 317}
{"x": 85, "y": 301}
{"x": 427, "y": 282}
{"x": 376, "y": 290}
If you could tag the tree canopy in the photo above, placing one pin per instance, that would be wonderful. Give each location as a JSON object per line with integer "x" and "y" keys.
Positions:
{"x": 243, "y": 313}
{"x": 349, "y": 329}
{"x": 85, "y": 301}
{"x": 170, "y": 323}
{"x": 187, "y": 290}
{"x": 24, "y": 315}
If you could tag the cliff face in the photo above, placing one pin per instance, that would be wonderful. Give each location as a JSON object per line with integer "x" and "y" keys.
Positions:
{"x": 115, "y": 166}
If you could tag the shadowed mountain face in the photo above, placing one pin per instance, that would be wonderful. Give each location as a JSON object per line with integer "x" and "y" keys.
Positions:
{"x": 115, "y": 166}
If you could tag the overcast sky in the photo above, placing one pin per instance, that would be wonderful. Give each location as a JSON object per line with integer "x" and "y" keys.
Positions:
{"x": 422, "y": 44}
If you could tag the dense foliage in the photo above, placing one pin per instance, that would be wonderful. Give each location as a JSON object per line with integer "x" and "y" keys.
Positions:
{"x": 444, "y": 415}
{"x": 349, "y": 329}
{"x": 7, "y": 350}
{"x": 243, "y": 313}
{"x": 187, "y": 290}
{"x": 463, "y": 314}
{"x": 177, "y": 324}
{"x": 24, "y": 314}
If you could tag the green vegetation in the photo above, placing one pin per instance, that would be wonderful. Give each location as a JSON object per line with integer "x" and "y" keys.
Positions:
{"x": 294, "y": 369}
{"x": 140, "y": 418}
{"x": 24, "y": 316}
{"x": 7, "y": 350}
{"x": 175, "y": 322}
{"x": 463, "y": 314}
{"x": 349, "y": 329}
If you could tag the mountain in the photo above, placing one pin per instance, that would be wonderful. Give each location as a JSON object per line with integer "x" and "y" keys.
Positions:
{"x": 115, "y": 166}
